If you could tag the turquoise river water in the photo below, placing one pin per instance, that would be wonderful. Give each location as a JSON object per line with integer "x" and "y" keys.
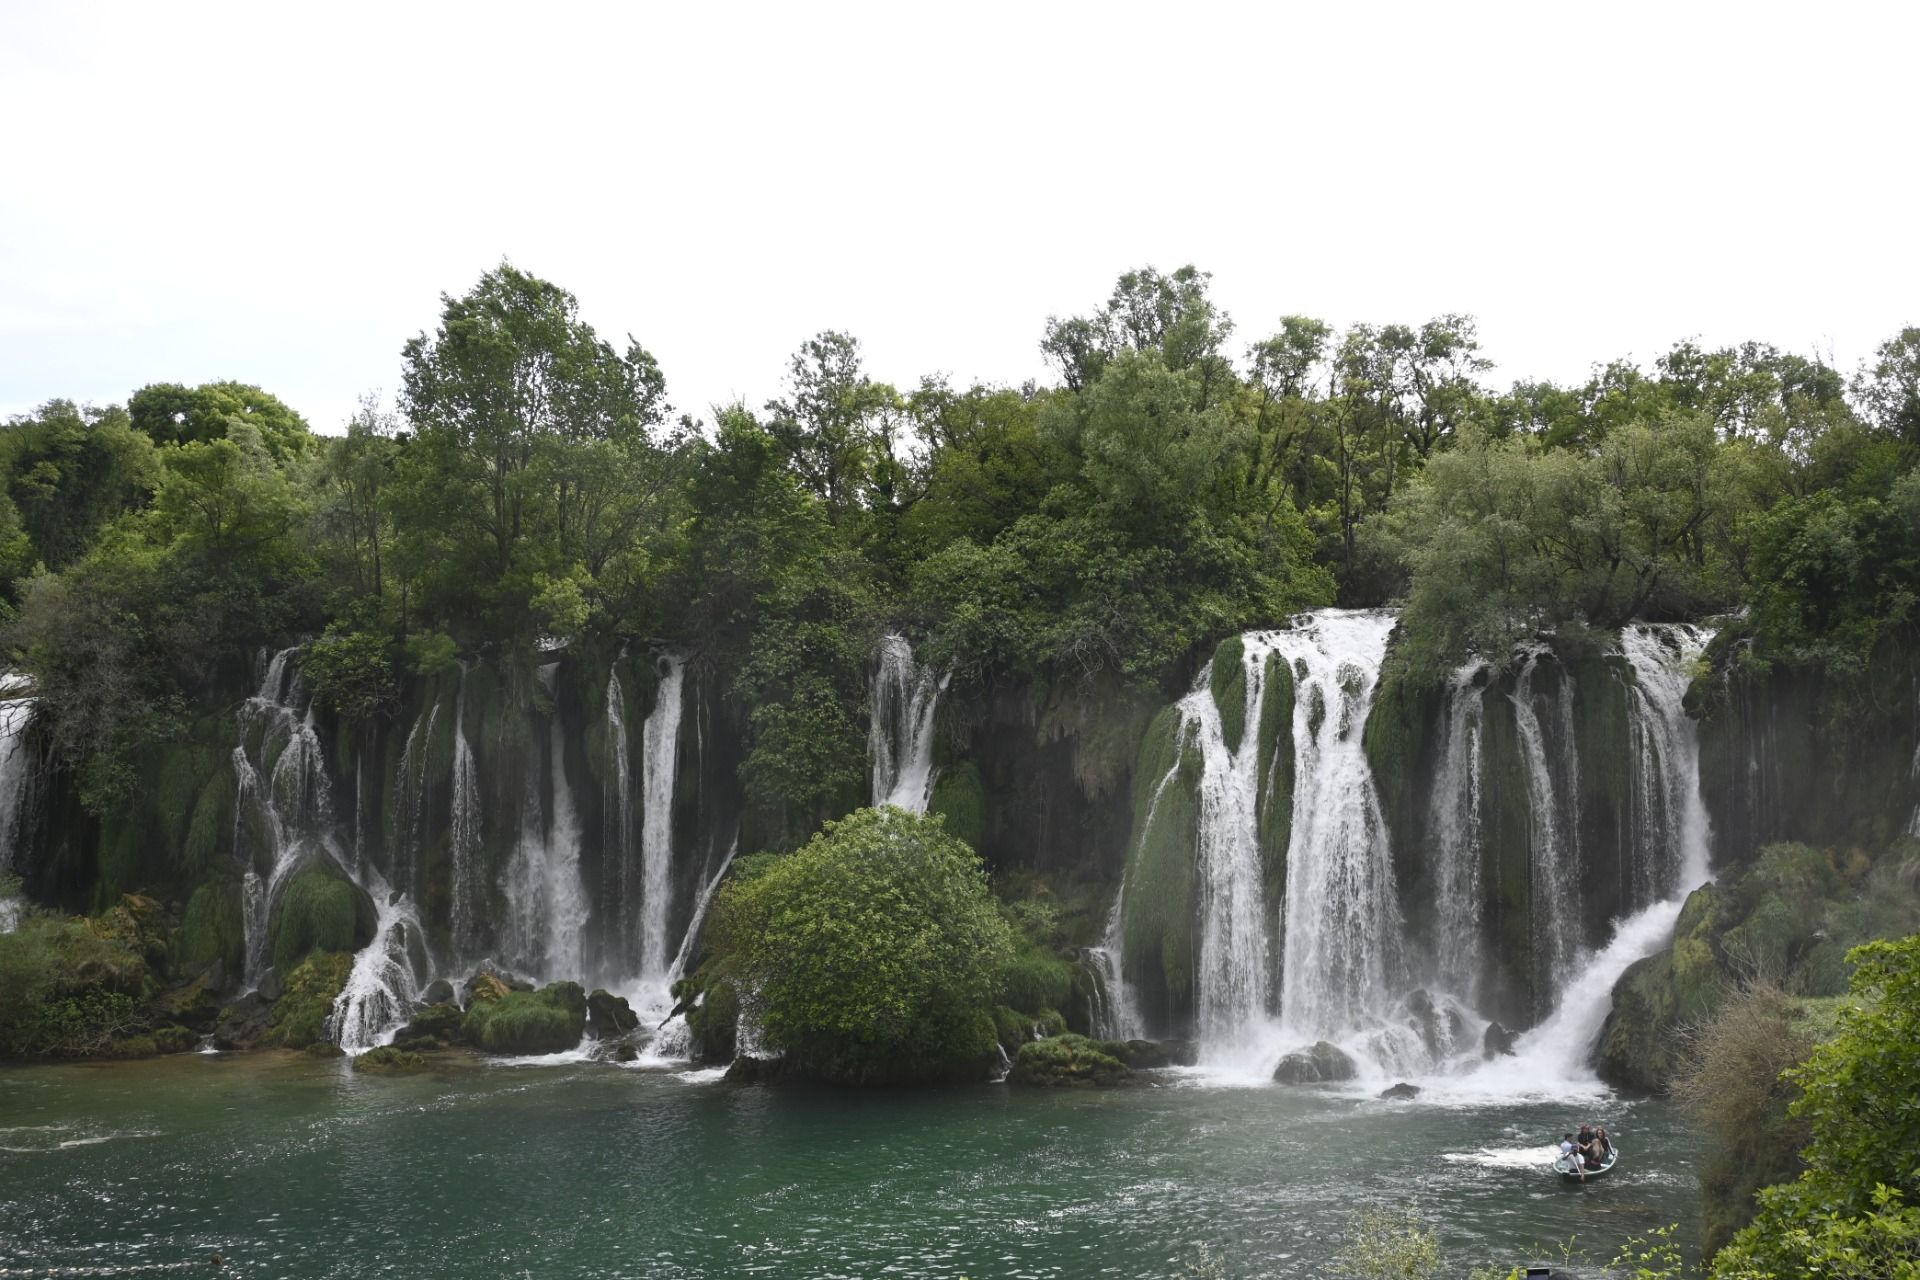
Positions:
{"x": 290, "y": 1166}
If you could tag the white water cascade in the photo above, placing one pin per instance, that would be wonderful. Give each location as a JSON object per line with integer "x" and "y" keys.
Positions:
{"x": 904, "y": 698}
{"x": 386, "y": 977}
{"x": 1454, "y": 817}
{"x": 1116, "y": 1014}
{"x": 659, "y": 763}
{"x": 16, "y": 763}
{"x": 546, "y": 899}
{"x": 414, "y": 801}
{"x": 1553, "y": 847}
{"x": 283, "y": 798}
{"x": 463, "y": 834}
{"x": 619, "y": 852}
{"x": 1342, "y": 924}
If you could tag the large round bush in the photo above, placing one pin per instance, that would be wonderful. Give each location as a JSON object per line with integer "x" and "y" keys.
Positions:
{"x": 872, "y": 954}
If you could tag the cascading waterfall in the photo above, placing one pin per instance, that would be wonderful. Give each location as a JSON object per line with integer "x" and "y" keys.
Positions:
{"x": 673, "y": 1039}
{"x": 659, "y": 762}
{"x": 618, "y": 849}
{"x": 904, "y": 698}
{"x": 1234, "y": 959}
{"x": 1554, "y": 877}
{"x": 16, "y": 764}
{"x": 282, "y": 795}
{"x": 385, "y": 981}
{"x": 415, "y": 801}
{"x": 1454, "y": 817}
{"x": 463, "y": 837}
{"x": 1116, "y": 1012}
{"x": 1342, "y": 927}
{"x": 546, "y": 899}
{"x": 1667, "y": 746}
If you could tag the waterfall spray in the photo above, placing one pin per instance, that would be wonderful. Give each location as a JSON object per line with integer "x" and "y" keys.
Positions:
{"x": 904, "y": 698}
{"x": 660, "y": 760}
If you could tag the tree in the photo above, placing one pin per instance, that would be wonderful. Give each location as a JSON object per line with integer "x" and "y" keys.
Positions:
{"x": 836, "y": 425}
{"x": 872, "y": 954}
{"x": 69, "y": 471}
{"x": 533, "y": 458}
{"x": 173, "y": 414}
{"x": 1853, "y": 1213}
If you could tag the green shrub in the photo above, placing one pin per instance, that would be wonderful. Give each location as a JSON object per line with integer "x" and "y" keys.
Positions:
{"x": 1036, "y": 979}
{"x": 213, "y": 929}
{"x": 874, "y": 951}
{"x": 550, "y": 1020}
{"x": 299, "y": 1017}
{"x": 67, "y": 989}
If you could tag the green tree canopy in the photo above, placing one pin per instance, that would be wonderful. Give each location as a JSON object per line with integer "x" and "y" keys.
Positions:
{"x": 872, "y": 954}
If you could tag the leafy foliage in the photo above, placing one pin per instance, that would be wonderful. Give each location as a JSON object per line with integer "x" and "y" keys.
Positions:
{"x": 873, "y": 953}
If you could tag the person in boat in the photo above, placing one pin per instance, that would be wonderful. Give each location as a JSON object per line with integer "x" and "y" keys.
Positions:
{"x": 1604, "y": 1143}
{"x": 1589, "y": 1146}
{"x": 1571, "y": 1154}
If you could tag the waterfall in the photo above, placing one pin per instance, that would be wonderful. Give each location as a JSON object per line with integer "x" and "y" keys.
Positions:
{"x": 673, "y": 1039}
{"x": 1116, "y": 1013}
{"x": 1671, "y": 810}
{"x": 900, "y": 733}
{"x": 546, "y": 899}
{"x": 282, "y": 796}
{"x": 1234, "y": 955}
{"x": 414, "y": 804}
{"x": 1342, "y": 925}
{"x": 659, "y": 762}
{"x": 1552, "y": 851}
{"x": 464, "y": 833}
{"x": 617, "y": 870}
{"x": 16, "y": 763}
{"x": 385, "y": 980}
{"x": 1454, "y": 819}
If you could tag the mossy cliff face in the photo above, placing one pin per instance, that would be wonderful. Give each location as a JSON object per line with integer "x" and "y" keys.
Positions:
{"x": 1784, "y": 922}
{"x": 1788, "y": 753}
{"x": 1158, "y": 923}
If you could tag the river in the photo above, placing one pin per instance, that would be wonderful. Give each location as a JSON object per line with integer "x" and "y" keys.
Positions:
{"x": 288, "y": 1166}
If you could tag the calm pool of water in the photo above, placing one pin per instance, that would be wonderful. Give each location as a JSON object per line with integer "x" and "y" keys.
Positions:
{"x": 287, "y": 1166}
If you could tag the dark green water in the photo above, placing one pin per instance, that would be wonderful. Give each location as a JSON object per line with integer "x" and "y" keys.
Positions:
{"x": 287, "y": 1166}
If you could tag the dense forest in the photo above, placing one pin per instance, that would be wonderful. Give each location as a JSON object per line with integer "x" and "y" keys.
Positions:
{"x": 1069, "y": 556}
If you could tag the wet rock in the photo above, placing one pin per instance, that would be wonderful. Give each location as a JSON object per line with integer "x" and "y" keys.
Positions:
{"x": 1073, "y": 1062}
{"x": 1148, "y": 1055}
{"x": 1497, "y": 1041}
{"x": 243, "y": 1022}
{"x": 272, "y": 986}
{"x": 439, "y": 991}
{"x": 1324, "y": 1063}
{"x": 388, "y": 1060}
{"x": 324, "y": 1049}
{"x": 435, "y": 1027}
{"x": 609, "y": 1015}
{"x": 1401, "y": 1091}
{"x": 625, "y": 1053}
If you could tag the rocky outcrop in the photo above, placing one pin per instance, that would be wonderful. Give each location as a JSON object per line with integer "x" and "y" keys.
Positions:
{"x": 1323, "y": 1063}
{"x": 1071, "y": 1062}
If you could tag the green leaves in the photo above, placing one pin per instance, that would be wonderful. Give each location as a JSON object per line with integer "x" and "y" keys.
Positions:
{"x": 872, "y": 953}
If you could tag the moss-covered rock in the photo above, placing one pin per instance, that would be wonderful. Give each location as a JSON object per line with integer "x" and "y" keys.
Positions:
{"x": 1157, "y": 927}
{"x": 1068, "y": 1061}
{"x": 1275, "y": 778}
{"x": 1227, "y": 681}
{"x": 213, "y": 929}
{"x": 299, "y": 1016}
{"x": 550, "y": 1020}
{"x": 389, "y": 1060}
{"x": 1036, "y": 979}
{"x": 959, "y": 798}
{"x": 319, "y": 910}
{"x": 438, "y": 1026}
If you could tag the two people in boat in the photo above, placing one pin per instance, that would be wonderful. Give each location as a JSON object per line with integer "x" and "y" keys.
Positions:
{"x": 1589, "y": 1151}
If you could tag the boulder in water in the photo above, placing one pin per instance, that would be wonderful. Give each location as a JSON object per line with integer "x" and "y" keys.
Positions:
{"x": 1401, "y": 1091}
{"x": 435, "y": 1027}
{"x": 745, "y": 1070}
{"x": 388, "y": 1060}
{"x": 1497, "y": 1041}
{"x": 439, "y": 991}
{"x": 625, "y": 1053}
{"x": 243, "y": 1022}
{"x": 1324, "y": 1063}
{"x": 609, "y": 1015}
{"x": 1071, "y": 1061}
{"x": 550, "y": 1020}
{"x": 1148, "y": 1055}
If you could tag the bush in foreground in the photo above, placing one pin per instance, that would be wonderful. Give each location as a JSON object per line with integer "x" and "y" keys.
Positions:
{"x": 873, "y": 953}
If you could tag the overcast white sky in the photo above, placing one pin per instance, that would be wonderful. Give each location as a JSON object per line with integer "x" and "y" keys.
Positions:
{"x": 279, "y": 194}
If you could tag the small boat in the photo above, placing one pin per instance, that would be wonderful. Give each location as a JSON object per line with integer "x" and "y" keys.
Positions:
{"x": 1568, "y": 1168}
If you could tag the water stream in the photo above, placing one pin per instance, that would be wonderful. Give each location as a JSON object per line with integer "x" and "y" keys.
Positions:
{"x": 903, "y": 698}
